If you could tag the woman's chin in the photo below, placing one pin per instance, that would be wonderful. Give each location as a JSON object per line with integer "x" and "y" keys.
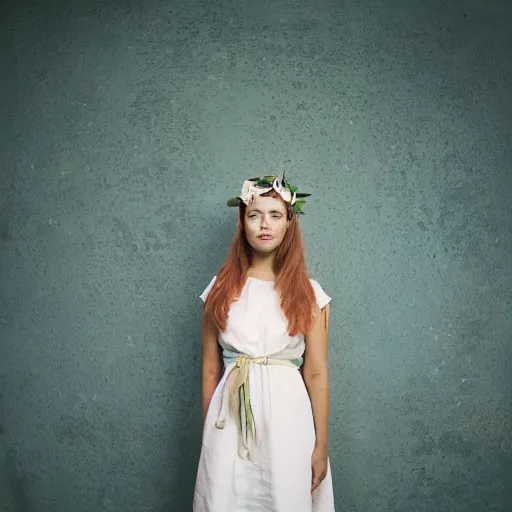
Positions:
{"x": 263, "y": 248}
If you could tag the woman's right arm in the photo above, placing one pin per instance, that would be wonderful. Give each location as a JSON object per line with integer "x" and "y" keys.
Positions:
{"x": 212, "y": 363}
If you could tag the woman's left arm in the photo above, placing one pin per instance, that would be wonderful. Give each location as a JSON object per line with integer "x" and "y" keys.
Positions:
{"x": 316, "y": 378}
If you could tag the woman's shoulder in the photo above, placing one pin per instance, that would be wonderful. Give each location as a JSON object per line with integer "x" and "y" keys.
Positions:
{"x": 208, "y": 288}
{"x": 315, "y": 283}
{"x": 322, "y": 298}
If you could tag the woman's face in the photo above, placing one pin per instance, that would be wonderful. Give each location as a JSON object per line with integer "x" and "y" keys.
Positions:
{"x": 265, "y": 223}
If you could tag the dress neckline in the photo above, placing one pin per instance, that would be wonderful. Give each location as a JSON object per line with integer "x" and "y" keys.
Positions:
{"x": 260, "y": 280}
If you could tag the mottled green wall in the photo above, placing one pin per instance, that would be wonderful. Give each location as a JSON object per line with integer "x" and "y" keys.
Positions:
{"x": 125, "y": 126}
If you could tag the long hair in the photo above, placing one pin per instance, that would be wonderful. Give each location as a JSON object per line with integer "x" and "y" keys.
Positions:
{"x": 298, "y": 301}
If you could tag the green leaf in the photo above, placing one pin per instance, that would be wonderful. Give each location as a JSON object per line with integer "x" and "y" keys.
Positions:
{"x": 264, "y": 183}
{"x": 234, "y": 201}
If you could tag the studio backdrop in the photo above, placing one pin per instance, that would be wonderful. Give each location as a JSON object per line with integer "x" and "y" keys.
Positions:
{"x": 126, "y": 126}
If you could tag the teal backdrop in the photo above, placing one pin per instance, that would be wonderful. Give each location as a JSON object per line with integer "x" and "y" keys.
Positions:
{"x": 125, "y": 126}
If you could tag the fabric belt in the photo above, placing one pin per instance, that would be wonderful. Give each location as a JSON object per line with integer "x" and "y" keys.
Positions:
{"x": 236, "y": 396}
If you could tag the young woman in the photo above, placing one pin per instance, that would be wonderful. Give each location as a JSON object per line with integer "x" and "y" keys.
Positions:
{"x": 264, "y": 366}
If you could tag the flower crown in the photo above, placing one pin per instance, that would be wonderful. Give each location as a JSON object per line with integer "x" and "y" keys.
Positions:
{"x": 263, "y": 184}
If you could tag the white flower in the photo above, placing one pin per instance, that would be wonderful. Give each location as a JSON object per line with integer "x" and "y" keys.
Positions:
{"x": 277, "y": 185}
{"x": 286, "y": 194}
{"x": 250, "y": 190}
{"x": 294, "y": 198}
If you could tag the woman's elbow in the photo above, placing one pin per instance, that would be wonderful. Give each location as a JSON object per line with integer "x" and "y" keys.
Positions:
{"x": 316, "y": 373}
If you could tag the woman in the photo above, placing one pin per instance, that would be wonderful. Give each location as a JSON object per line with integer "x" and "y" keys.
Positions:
{"x": 264, "y": 366}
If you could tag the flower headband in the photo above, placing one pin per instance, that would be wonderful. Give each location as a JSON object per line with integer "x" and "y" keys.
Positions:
{"x": 258, "y": 186}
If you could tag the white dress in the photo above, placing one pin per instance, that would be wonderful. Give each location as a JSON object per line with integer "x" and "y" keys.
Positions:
{"x": 277, "y": 477}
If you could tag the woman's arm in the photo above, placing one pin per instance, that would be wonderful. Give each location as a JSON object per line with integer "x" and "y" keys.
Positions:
{"x": 212, "y": 364}
{"x": 316, "y": 379}
{"x": 316, "y": 375}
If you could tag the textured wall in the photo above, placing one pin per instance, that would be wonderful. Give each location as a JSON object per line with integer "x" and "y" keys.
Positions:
{"x": 126, "y": 125}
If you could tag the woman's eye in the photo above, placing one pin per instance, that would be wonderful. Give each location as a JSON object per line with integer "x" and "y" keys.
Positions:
{"x": 254, "y": 216}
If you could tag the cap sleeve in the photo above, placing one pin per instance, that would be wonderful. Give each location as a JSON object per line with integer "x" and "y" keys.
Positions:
{"x": 322, "y": 299}
{"x": 207, "y": 289}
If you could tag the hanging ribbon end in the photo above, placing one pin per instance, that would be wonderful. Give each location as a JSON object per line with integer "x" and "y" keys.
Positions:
{"x": 244, "y": 454}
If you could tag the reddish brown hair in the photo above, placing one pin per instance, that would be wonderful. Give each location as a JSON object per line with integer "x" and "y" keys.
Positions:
{"x": 298, "y": 300}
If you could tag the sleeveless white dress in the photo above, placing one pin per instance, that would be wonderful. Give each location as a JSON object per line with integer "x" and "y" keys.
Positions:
{"x": 277, "y": 477}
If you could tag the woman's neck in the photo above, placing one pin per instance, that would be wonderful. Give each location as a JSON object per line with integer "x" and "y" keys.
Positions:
{"x": 262, "y": 268}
